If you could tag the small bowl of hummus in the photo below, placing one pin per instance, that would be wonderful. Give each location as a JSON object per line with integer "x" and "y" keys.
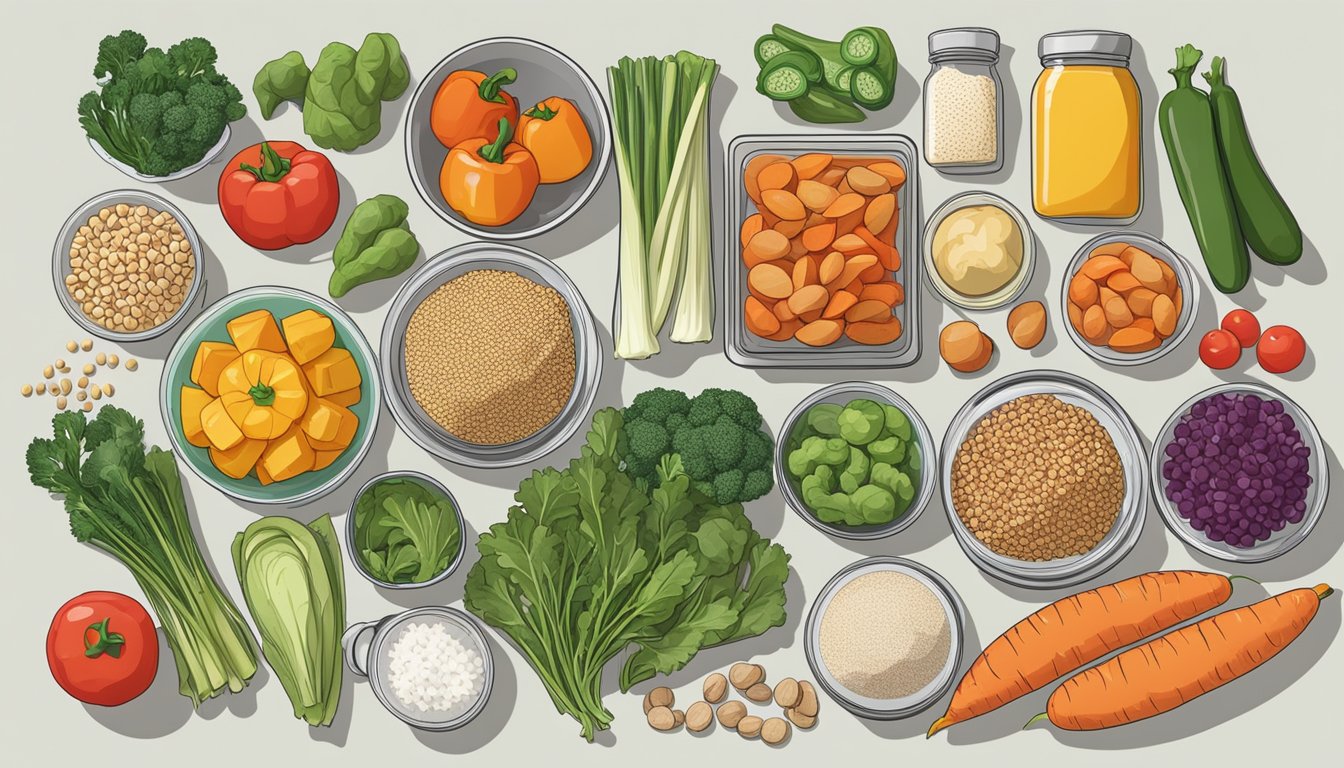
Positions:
{"x": 978, "y": 251}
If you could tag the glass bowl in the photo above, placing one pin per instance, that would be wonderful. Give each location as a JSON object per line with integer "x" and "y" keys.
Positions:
{"x": 1124, "y": 532}
{"x": 427, "y": 482}
{"x": 1013, "y": 288}
{"x": 1279, "y": 542}
{"x": 840, "y": 394}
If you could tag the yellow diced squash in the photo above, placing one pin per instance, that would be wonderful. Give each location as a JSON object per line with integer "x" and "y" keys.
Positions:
{"x": 332, "y": 371}
{"x": 262, "y": 476}
{"x": 323, "y": 419}
{"x": 346, "y": 423}
{"x": 219, "y": 429}
{"x": 211, "y": 358}
{"x": 237, "y": 461}
{"x": 309, "y": 333}
{"x": 324, "y": 459}
{"x": 346, "y": 398}
{"x": 192, "y": 401}
{"x": 256, "y": 330}
{"x": 288, "y": 456}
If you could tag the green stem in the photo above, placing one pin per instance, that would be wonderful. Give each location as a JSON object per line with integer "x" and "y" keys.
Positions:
{"x": 1187, "y": 59}
{"x": 541, "y": 112}
{"x": 494, "y": 151}
{"x": 1035, "y": 720}
{"x": 105, "y": 640}
{"x": 1215, "y": 77}
{"x": 273, "y": 166}
{"x": 262, "y": 394}
{"x": 490, "y": 86}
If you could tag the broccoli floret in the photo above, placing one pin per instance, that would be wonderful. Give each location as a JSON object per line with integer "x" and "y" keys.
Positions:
{"x": 716, "y": 434}
{"x": 147, "y": 114}
{"x": 117, "y": 53}
{"x": 193, "y": 57}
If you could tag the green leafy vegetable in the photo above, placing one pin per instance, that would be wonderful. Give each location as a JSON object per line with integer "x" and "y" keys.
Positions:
{"x": 158, "y": 111}
{"x": 292, "y": 581}
{"x": 405, "y": 532}
{"x": 822, "y": 80}
{"x": 590, "y": 562}
{"x": 661, "y": 117}
{"x": 280, "y": 80}
{"x": 129, "y": 503}
{"x": 376, "y": 244}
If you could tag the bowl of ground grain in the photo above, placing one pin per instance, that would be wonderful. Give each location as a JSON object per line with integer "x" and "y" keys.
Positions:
{"x": 1044, "y": 477}
{"x": 884, "y": 637}
{"x": 490, "y": 356}
{"x": 127, "y": 265}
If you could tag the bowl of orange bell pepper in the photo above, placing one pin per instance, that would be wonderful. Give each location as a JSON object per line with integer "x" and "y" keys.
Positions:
{"x": 507, "y": 138}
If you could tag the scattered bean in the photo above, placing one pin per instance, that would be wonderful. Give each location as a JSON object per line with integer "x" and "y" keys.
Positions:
{"x": 60, "y": 366}
{"x": 87, "y": 407}
{"x": 807, "y": 702}
{"x": 799, "y": 719}
{"x": 678, "y": 718}
{"x": 698, "y": 716}
{"x": 658, "y": 697}
{"x": 96, "y": 393}
{"x": 759, "y": 693}
{"x": 743, "y": 675}
{"x": 41, "y": 388}
{"x": 89, "y": 369}
{"x": 775, "y": 731}
{"x": 83, "y": 382}
{"x": 86, "y": 345}
{"x": 66, "y": 386}
{"x": 112, "y": 361}
{"x": 48, "y": 372}
{"x": 61, "y": 402}
{"x": 716, "y": 686}
{"x": 27, "y": 390}
{"x": 132, "y": 364}
{"x": 82, "y": 395}
{"x": 72, "y": 346}
{"x": 787, "y": 693}
{"x": 749, "y": 727}
{"x": 100, "y": 358}
{"x": 662, "y": 719}
{"x": 731, "y": 713}
{"x": 108, "y": 390}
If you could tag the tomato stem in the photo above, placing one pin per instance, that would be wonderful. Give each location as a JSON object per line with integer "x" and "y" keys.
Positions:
{"x": 273, "y": 166}
{"x": 262, "y": 394}
{"x": 494, "y": 152}
{"x": 105, "y": 641}
{"x": 490, "y": 86}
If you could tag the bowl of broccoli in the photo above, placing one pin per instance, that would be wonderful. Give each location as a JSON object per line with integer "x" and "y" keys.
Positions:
{"x": 855, "y": 461}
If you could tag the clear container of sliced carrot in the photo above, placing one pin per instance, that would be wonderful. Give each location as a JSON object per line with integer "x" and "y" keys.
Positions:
{"x": 822, "y": 263}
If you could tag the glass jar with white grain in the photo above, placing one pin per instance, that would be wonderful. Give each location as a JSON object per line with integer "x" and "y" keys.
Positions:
{"x": 963, "y": 102}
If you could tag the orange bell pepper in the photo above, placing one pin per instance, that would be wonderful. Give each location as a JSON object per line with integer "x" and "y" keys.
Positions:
{"x": 554, "y": 132}
{"x": 469, "y": 105}
{"x": 490, "y": 183}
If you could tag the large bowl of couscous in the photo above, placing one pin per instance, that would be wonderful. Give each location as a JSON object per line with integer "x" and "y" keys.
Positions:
{"x": 489, "y": 356}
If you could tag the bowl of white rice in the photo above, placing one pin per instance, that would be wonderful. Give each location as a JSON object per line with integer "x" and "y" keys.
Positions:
{"x": 430, "y": 666}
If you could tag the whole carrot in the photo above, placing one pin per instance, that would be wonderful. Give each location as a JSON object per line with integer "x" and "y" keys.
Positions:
{"x": 1073, "y": 632}
{"x": 1166, "y": 672}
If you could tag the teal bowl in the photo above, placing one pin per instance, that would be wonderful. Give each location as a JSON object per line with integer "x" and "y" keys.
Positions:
{"x": 210, "y": 326}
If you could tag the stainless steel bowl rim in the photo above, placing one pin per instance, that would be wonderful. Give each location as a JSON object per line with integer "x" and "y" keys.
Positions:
{"x": 1185, "y": 278}
{"x": 937, "y": 688}
{"x": 928, "y": 470}
{"x": 433, "y": 483}
{"x": 1013, "y": 288}
{"x": 61, "y": 261}
{"x": 1271, "y": 548}
{"x": 1124, "y": 533}
{"x": 587, "y": 348}
{"x": 370, "y": 382}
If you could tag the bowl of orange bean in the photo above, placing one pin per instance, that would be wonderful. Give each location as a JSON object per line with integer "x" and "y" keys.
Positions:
{"x": 1130, "y": 298}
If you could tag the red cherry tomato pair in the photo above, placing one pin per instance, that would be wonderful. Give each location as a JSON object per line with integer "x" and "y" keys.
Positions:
{"x": 1279, "y": 349}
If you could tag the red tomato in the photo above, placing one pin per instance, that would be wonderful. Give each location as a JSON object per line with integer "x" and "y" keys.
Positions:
{"x": 276, "y": 194}
{"x": 1219, "y": 349}
{"x": 1281, "y": 349}
{"x": 1243, "y": 325}
{"x": 102, "y": 648}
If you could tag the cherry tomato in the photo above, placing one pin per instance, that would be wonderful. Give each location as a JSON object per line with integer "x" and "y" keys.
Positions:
{"x": 1281, "y": 349}
{"x": 1219, "y": 349}
{"x": 102, "y": 648}
{"x": 1244, "y": 326}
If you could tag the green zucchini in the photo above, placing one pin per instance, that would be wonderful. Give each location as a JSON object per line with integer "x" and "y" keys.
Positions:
{"x": 1270, "y": 228}
{"x": 768, "y": 47}
{"x": 859, "y": 46}
{"x": 788, "y": 75}
{"x": 826, "y": 51}
{"x": 1186, "y": 120}
{"x": 870, "y": 89}
{"x": 819, "y": 105}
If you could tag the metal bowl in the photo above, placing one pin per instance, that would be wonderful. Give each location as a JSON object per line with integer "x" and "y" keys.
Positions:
{"x": 431, "y": 484}
{"x": 840, "y": 394}
{"x": 366, "y": 646}
{"x": 411, "y": 417}
{"x": 60, "y": 261}
{"x": 1185, "y": 278}
{"x": 211, "y": 326}
{"x": 1280, "y": 541}
{"x": 209, "y": 157}
{"x": 887, "y": 709}
{"x": 1128, "y": 523}
{"x": 542, "y": 72}
{"x": 1014, "y": 287}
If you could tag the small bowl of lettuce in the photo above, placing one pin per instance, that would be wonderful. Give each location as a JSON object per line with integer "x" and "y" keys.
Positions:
{"x": 404, "y": 531}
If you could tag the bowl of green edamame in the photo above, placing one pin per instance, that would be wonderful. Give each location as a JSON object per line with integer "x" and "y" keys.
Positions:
{"x": 855, "y": 460}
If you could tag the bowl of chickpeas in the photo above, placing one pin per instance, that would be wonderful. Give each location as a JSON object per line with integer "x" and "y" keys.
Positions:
{"x": 127, "y": 265}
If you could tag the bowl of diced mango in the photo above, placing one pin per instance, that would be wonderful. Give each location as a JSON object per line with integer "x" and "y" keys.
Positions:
{"x": 271, "y": 395}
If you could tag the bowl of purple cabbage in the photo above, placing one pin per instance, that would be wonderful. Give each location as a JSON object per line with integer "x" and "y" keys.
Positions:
{"x": 1239, "y": 473}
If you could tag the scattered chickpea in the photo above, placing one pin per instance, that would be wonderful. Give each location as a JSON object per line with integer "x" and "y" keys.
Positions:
{"x": 60, "y": 403}
{"x": 87, "y": 407}
{"x": 112, "y": 361}
{"x": 27, "y": 390}
{"x": 48, "y": 372}
{"x": 96, "y": 393}
{"x": 132, "y": 364}
{"x": 100, "y": 358}
{"x": 83, "y": 382}
{"x": 108, "y": 390}
{"x": 89, "y": 369}
{"x": 82, "y": 395}
{"x": 86, "y": 344}
{"x": 41, "y": 388}
{"x": 66, "y": 386}
{"x": 72, "y": 346}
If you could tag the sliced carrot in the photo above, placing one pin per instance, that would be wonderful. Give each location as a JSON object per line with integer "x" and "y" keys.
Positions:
{"x": 892, "y": 172}
{"x": 816, "y": 196}
{"x": 819, "y": 333}
{"x": 874, "y": 333}
{"x": 811, "y": 164}
{"x": 832, "y": 176}
{"x": 750, "y": 226}
{"x": 831, "y": 267}
{"x": 844, "y": 205}
{"x": 855, "y": 286}
{"x": 878, "y": 214}
{"x": 1122, "y": 281}
{"x": 786, "y": 330}
{"x": 886, "y": 253}
{"x": 867, "y": 182}
{"x": 869, "y": 311}
{"x": 759, "y": 318}
{"x": 1101, "y": 267}
{"x": 874, "y": 274}
{"x": 819, "y": 236}
{"x": 810, "y": 316}
{"x": 887, "y": 292}
{"x": 783, "y": 204}
{"x": 752, "y": 171}
{"x": 804, "y": 273}
{"x": 850, "y": 221}
{"x": 770, "y": 280}
{"x": 839, "y": 304}
{"x": 849, "y": 244}
{"x": 782, "y": 311}
{"x": 854, "y": 266}
{"x": 809, "y": 298}
{"x": 797, "y": 249}
{"x": 777, "y": 175}
{"x": 768, "y": 245}
{"x": 788, "y": 228}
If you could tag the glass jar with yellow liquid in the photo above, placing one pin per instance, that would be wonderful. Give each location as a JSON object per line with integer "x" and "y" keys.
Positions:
{"x": 1086, "y": 138}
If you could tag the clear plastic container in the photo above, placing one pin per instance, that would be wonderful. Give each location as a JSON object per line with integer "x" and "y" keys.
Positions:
{"x": 963, "y": 102}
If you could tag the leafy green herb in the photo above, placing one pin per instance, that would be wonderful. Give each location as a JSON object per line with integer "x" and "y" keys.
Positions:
{"x": 591, "y": 561}
{"x": 129, "y": 503}
{"x": 405, "y": 532}
{"x": 292, "y": 581}
{"x": 158, "y": 111}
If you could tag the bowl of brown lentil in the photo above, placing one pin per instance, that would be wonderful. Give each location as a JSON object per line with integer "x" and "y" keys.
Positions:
{"x": 126, "y": 265}
{"x": 490, "y": 356}
{"x": 1043, "y": 477}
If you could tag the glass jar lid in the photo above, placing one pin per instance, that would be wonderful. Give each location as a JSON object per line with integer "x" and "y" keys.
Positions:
{"x": 1086, "y": 44}
{"x": 964, "y": 42}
